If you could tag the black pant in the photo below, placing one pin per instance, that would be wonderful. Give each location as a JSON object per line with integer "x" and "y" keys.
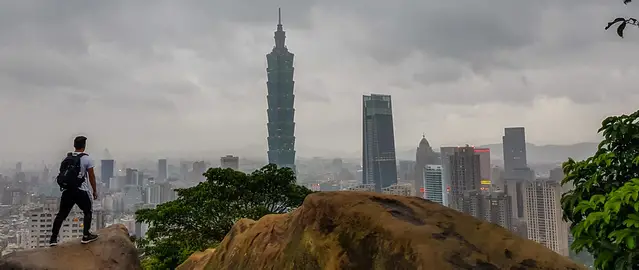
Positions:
{"x": 70, "y": 198}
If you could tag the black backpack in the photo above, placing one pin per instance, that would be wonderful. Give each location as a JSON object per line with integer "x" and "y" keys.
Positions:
{"x": 70, "y": 168}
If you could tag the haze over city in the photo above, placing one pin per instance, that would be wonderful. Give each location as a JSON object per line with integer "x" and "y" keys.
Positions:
{"x": 189, "y": 76}
{"x": 340, "y": 135}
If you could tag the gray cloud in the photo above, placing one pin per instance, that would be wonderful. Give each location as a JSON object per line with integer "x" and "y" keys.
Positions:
{"x": 188, "y": 75}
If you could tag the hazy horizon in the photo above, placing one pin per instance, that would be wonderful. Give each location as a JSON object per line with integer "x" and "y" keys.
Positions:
{"x": 191, "y": 75}
{"x": 214, "y": 155}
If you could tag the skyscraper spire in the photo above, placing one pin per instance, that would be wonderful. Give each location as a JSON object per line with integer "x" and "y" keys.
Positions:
{"x": 280, "y": 98}
{"x": 280, "y": 35}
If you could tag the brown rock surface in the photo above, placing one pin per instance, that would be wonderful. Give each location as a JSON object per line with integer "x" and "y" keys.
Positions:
{"x": 112, "y": 251}
{"x": 358, "y": 230}
{"x": 197, "y": 260}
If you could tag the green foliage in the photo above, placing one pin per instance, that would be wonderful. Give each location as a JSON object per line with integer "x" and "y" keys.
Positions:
{"x": 622, "y": 22}
{"x": 603, "y": 207}
{"x": 202, "y": 215}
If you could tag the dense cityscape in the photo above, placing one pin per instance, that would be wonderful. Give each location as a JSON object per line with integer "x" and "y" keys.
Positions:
{"x": 497, "y": 186}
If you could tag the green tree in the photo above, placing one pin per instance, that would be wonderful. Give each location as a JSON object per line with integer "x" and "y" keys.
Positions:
{"x": 602, "y": 207}
{"x": 202, "y": 215}
{"x": 623, "y": 22}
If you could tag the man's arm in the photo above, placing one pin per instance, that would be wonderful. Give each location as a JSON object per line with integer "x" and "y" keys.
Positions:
{"x": 91, "y": 173}
{"x": 92, "y": 181}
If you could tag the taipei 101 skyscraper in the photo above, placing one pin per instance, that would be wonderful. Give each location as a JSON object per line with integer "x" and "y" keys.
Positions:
{"x": 280, "y": 98}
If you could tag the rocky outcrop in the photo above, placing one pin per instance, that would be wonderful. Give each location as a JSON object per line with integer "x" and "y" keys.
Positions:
{"x": 112, "y": 251}
{"x": 198, "y": 260}
{"x": 358, "y": 230}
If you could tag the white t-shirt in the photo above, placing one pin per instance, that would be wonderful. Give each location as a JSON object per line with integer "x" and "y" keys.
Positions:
{"x": 86, "y": 163}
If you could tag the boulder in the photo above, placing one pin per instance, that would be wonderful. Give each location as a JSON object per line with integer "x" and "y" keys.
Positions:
{"x": 112, "y": 251}
{"x": 360, "y": 230}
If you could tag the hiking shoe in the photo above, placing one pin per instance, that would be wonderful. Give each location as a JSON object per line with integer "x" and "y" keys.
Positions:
{"x": 89, "y": 238}
{"x": 53, "y": 242}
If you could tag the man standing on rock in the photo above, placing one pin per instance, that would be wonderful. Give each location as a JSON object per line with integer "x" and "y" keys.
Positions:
{"x": 75, "y": 190}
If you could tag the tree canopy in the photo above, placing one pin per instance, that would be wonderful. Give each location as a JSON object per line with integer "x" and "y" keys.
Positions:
{"x": 202, "y": 215}
{"x": 622, "y": 22}
{"x": 602, "y": 207}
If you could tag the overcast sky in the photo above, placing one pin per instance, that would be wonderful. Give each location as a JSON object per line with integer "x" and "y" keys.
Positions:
{"x": 154, "y": 76}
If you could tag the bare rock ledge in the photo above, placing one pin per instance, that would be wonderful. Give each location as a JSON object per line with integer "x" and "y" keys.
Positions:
{"x": 112, "y": 251}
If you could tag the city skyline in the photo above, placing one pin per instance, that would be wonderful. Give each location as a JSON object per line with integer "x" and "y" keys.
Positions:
{"x": 199, "y": 81}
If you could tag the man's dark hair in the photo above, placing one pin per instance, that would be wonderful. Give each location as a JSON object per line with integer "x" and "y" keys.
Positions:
{"x": 80, "y": 142}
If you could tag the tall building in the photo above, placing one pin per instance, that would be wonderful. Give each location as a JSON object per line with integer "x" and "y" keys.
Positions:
{"x": 465, "y": 175}
{"x": 197, "y": 173}
{"x": 406, "y": 171}
{"x": 514, "y": 145}
{"x": 491, "y": 206}
{"x": 131, "y": 177}
{"x": 184, "y": 170}
{"x": 378, "y": 159}
{"x": 281, "y": 114}
{"x": 140, "y": 180}
{"x": 107, "y": 170}
{"x": 230, "y": 161}
{"x": 515, "y": 187}
{"x": 162, "y": 169}
{"x": 485, "y": 169}
{"x": 424, "y": 155}
{"x": 445, "y": 154}
{"x": 161, "y": 192}
{"x": 432, "y": 185}
{"x": 497, "y": 177}
{"x": 516, "y": 172}
{"x": 544, "y": 216}
{"x": 41, "y": 220}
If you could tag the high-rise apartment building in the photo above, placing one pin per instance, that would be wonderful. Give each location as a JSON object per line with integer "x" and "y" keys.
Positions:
{"x": 281, "y": 113}
{"x": 433, "y": 186}
{"x": 491, "y": 206}
{"x": 163, "y": 169}
{"x": 40, "y": 224}
{"x": 161, "y": 192}
{"x": 230, "y": 161}
{"x": 543, "y": 215}
{"x": 424, "y": 155}
{"x": 464, "y": 175}
{"x": 107, "y": 170}
{"x": 378, "y": 155}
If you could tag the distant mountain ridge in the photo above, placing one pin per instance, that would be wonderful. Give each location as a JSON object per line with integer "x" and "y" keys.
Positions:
{"x": 535, "y": 153}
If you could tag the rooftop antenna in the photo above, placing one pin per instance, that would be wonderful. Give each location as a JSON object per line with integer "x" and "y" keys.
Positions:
{"x": 279, "y": 16}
